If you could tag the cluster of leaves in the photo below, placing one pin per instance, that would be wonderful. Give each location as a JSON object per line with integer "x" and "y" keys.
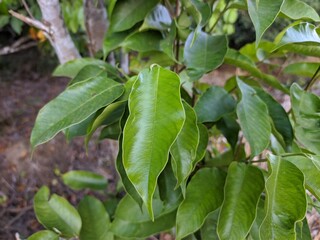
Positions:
{"x": 163, "y": 117}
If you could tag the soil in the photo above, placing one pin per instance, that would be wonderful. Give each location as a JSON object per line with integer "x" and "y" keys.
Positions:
{"x": 25, "y": 86}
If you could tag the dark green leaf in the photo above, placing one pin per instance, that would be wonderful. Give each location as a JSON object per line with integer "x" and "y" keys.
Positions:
{"x": 209, "y": 228}
{"x": 112, "y": 131}
{"x": 286, "y": 200}
{"x": 204, "y": 53}
{"x": 95, "y": 220}
{"x": 113, "y": 40}
{"x": 229, "y": 128}
{"x": 203, "y": 143}
{"x": 254, "y": 118}
{"x": 156, "y": 117}
{"x": 79, "y": 179}
{"x": 244, "y": 185}
{"x": 127, "y": 13}
{"x": 204, "y": 195}
{"x": 143, "y": 41}
{"x": 213, "y": 104}
{"x": 74, "y": 105}
{"x": 56, "y": 213}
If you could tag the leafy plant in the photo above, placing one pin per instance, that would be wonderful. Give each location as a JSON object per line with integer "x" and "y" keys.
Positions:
{"x": 164, "y": 115}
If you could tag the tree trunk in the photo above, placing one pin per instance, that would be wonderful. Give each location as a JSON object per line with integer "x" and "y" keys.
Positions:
{"x": 59, "y": 35}
{"x": 96, "y": 24}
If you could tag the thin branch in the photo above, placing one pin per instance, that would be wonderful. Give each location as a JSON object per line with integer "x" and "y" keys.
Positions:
{"x": 32, "y": 22}
{"x": 313, "y": 79}
{"x": 27, "y": 8}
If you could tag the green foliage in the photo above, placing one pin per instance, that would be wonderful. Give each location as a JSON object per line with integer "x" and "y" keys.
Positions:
{"x": 174, "y": 174}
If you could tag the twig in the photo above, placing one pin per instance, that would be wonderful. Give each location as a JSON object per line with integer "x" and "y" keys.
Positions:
{"x": 313, "y": 79}
{"x": 19, "y": 45}
{"x": 27, "y": 8}
{"x": 32, "y": 22}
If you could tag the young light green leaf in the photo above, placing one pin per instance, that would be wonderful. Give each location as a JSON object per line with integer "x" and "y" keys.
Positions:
{"x": 132, "y": 222}
{"x": 308, "y": 166}
{"x": 254, "y": 118}
{"x": 95, "y": 220}
{"x": 213, "y": 104}
{"x": 207, "y": 183}
{"x": 158, "y": 19}
{"x": 299, "y": 33}
{"x": 263, "y": 13}
{"x": 127, "y": 13}
{"x": 296, "y": 9}
{"x": 184, "y": 149}
{"x": 79, "y": 179}
{"x": 244, "y": 185}
{"x": 279, "y": 117}
{"x": 204, "y": 53}
{"x": 74, "y": 105}
{"x": 286, "y": 200}
{"x": 44, "y": 235}
{"x": 155, "y": 120}
{"x": 56, "y": 213}
{"x": 305, "y": 108}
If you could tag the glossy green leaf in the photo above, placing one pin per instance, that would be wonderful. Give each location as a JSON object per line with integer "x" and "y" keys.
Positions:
{"x": 143, "y": 41}
{"x": 74, "y": 105}
{"x": 56, "y": 213}
{"x": 79, "y": 179}
{"x": 306, "y": 112}
{"x": 87, "y": 72}
{"x": 72, "y": 68}
{"x": 254, "y": 118}
{"x": 237, "y": 59}
{"x": 127, "y": 13}
{"x": 95, "y": 220}
{"x": 156, "y": 117}
{"x": 200, "y": 11}
{"x": 263, "y": 13}
{"x": 213, "y": 104}
{"x": 203, "y": 143}
{"x": 308, "y": 166}
{"x": 113, "y": 40}
{"x": 209, "y": 228}
{"x": 184, "y": 149}
{"x": 254, "y": 231}
{"x": 132, "y": 222}
{"x": 299, "y": 33}
{"x": 111, "y": 114}
{"x": 296, "y": 9}
{"x": 204, "y": 195}
{"x": 302, "y": 230}
{"x": 230, "y": 128}
{"x": 80, "y": 129}
{"x": 204, "y": 53}
{"x": 44, "y": 235}
{"x": 285, "y": 201}
{"x": 159, "y": 19}
{"x": 244, "y": 185}
{"x": 305, "y": 69}
{"x": 279, "y": 117}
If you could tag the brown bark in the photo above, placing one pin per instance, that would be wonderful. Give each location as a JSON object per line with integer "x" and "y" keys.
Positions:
{"x": 58, "y": 33}
{"x": 96, "y": 23}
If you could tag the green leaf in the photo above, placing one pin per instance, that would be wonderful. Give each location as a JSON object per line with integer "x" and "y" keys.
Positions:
{"x": 72, "y": 68}
{"x": 279, "y": 117}
{"x": 73, "y": 106}
{"x": 184, "y": 149}
{"x": 132, "y": 222}
{"x": 148, "y": 135}
{"x": 56, "y": 213}
{"x": 254, "y": 232}
{"x": 113, "y": 40}
{"x": 204, "y": 53}
{"x": 244, "y": 185}
{"x": 209, "y": 228}
{"x": 302, "y": 49}
{"x": 299, "y": 33}
{"x": 263, "y": 13}
{"x": 286, "y": 200}
{"x": 127, "y": 13}
{"x": 112, "y": 131}
{"x": 158, "y": 19}
{"x": 296, "y": 9}
{"x": 308, "y": 166}
{"x": 235, "y": 58}
{"x": 305, "y": 69}
{"x": 229, "y": 128}
{"x": 307, "y": 114}
{"x": 44, "y": 235}
{"x": 302, "y": 230}
{"x": 200, "y": 11}
{"x": 213, "y": 104}
{"x": 81, "y": 128}
{"x": 254, "y": 118}
{"x": 204, "y": 195}
{"x": 95, "y": 220}
{"x": 203, "y": 143}
{"x": 79, "y": 179}
{"x": 143, "y": 41}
